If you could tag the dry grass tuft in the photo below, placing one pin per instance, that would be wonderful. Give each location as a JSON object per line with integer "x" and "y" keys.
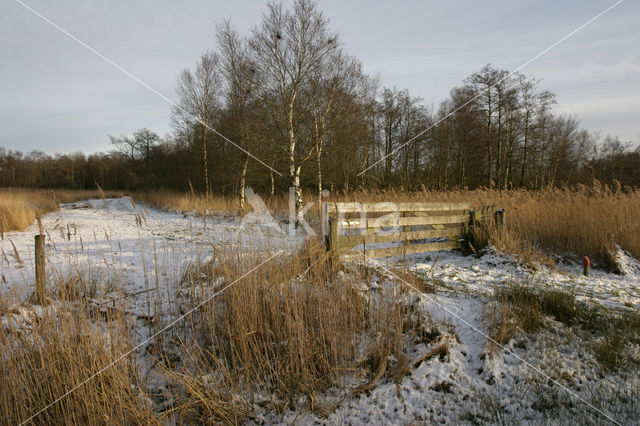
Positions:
{"x": 48, "y": 352}
{"x": 208, "y": 393}
{"x": 293, "y": 328}
{"x": 441, "y": 350}
{"x": 288, "y": 329}
{"x": 522, "y": 308}
{"x": 19, "y": 208}
{"x": 503, "y": 324}
{"x": 201, "y": 204}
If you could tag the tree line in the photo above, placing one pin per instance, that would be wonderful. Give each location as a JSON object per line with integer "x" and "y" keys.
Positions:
{"x": 287, "y": 105}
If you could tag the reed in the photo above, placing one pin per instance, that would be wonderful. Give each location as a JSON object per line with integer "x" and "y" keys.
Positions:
{"x": 50, "y": 351}
{"x": 295, "y": 327}
{"x": 19, "y": 207}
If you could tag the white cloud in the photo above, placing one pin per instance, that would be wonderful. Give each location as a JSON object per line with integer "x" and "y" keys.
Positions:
{"x": 426, "y": 47}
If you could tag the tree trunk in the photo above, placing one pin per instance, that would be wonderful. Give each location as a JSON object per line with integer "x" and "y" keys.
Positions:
{"x": 243, "y": 182}
{"x": 294, "y": 170}
{"x": 489, "y": 136}
{"x": 205, "y": 161}
{"x": 273, "y": 184}
{"x": 298, "y": 193}
{"x": 499, "y": 177}
{"x": 318, "y": 158}
{"x": 524, "y": 148}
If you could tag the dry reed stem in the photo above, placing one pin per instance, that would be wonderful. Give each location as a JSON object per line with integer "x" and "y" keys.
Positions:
{"x": 59, "y": 349}
{"x": 293, "y": 329}
{"x": 20, "y": 207}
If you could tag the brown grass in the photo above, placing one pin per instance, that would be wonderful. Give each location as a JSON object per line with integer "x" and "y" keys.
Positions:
{"x": 295, "y": 327}
{"x": 579, "y": 222}
{"x": 200, "y": 203}
{"x": 19, "y": 208}
{"x": 521, "y": 307}
{"x": 48, "y": 352}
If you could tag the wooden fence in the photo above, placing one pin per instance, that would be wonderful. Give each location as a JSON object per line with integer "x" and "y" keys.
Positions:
{"x": 398, "y": 229}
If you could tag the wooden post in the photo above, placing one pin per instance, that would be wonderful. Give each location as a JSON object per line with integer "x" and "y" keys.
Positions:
{"x": 405, "y": 243}
{"x": 469, "y": 230}
{"x": 41, "y": 290}
{"x": 332, "y": 238}
{"x": 586, "y": 264}
{"x": 500, "y": 217}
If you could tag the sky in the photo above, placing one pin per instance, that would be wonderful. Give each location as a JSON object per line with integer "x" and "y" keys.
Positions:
{"x": 56, "y": 96}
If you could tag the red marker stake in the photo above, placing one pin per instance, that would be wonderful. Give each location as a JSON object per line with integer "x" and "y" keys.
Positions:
{"x": 586, "y": 263}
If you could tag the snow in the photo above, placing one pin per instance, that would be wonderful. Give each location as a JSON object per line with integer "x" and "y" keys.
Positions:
{"x": 482, "y": 276}
{"x": 533, "y": 380}
{"x": 126, "y": 250}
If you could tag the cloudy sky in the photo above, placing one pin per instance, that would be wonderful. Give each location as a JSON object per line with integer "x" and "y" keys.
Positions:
{"x": 57, "y": 96}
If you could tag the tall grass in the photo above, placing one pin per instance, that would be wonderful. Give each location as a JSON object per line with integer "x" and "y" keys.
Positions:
{"x": 20, "y": 207}
{"x": 580, "y": 221}
{"x": 297, "y": 326}
{"x": 294, "y": 328}
{"x": 50, "y": 351}
{"x": 200, "y": 203}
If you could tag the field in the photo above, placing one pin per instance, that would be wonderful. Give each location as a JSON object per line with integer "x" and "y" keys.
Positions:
{"x": 170, "y": 308}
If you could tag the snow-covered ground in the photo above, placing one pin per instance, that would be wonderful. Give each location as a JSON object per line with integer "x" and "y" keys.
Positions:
{"x": 125, "y": 249}
{"x": 483, "y": 275}
{"x": 546, "y": 379}
{"x": 550, "y": 377}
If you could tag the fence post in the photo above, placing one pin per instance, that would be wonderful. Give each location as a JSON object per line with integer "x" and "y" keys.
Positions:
{"x": 41, "y": 290}
{"x": 500, "y": 217}
{"x": 586, "y": 263}
{"x": 405, "y": 243}
{"x": 332, "y": 238}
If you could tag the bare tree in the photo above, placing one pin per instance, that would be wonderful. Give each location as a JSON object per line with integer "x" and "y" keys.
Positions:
{"x": 240, "y": 75}
{"x": 126, "y": 145}
{"x": 199, "y": 93}
{"x": 138, "y": 147}
{"x": 287, "y": 48}
{"x": 483, "y": 83}
{"x": 330, "y": 95}
{"x": 146, "y": 139}
{"x": 532, "y": 103}
{"x": 390, "y": 113}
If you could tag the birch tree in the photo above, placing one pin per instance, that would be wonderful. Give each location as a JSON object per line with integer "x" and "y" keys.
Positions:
{"x": 287, "y": 48}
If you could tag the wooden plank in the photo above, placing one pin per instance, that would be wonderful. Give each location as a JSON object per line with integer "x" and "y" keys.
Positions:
{"x": 400, "y": 250}
{"x": 354, "y": 240}
{"x": 403, "y": 221}
{"x": 406, "y": 229}
{"x": 391, "y": 207}
{"x": 375, "y": 231}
